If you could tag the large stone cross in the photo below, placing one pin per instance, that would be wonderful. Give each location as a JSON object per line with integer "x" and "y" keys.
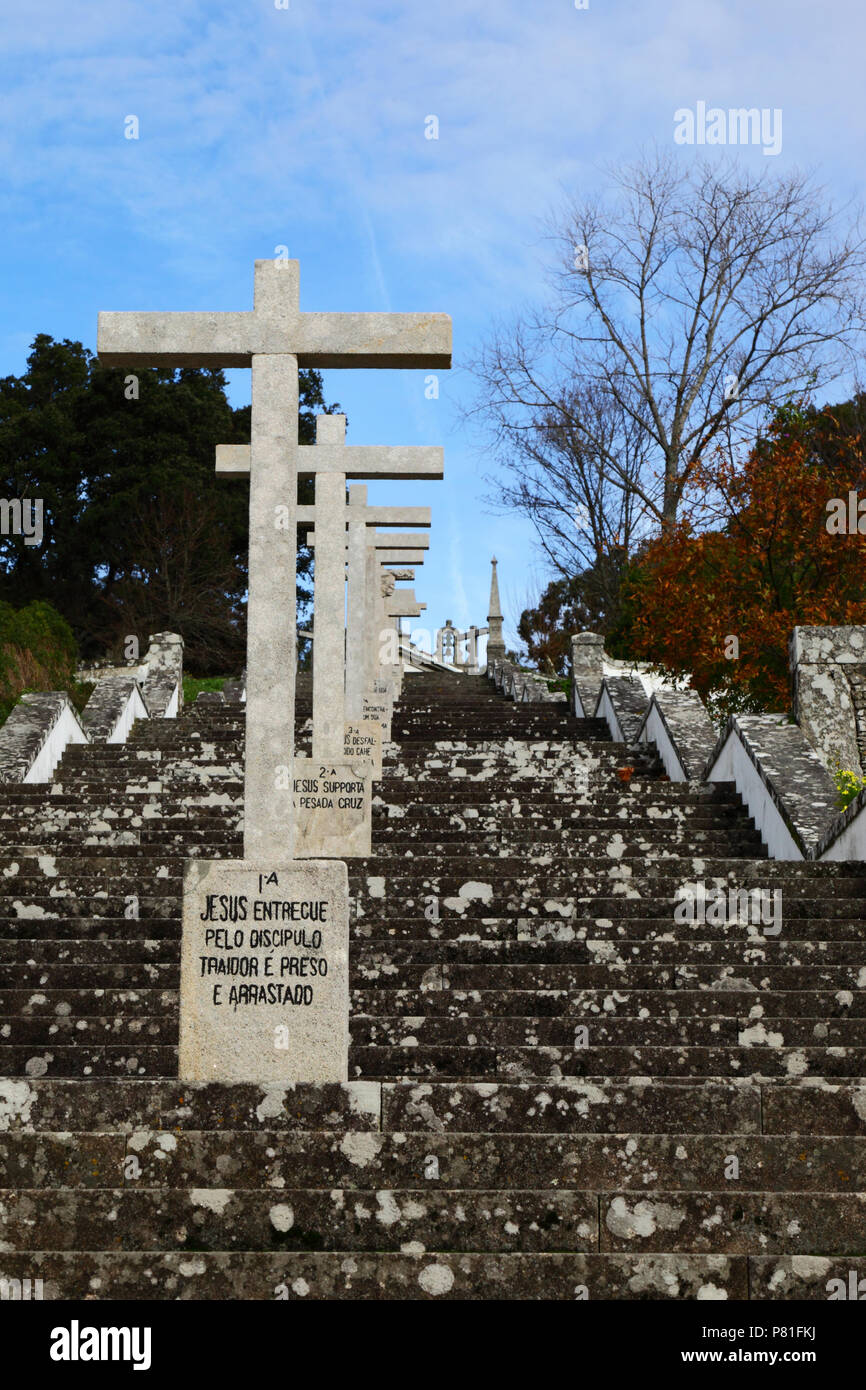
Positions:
{"x": 274, "y": 340}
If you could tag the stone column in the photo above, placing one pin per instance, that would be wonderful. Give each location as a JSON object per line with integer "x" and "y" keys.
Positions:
{"x": 271, "y": 640}
{"x": 828, "y": 677}
{"x": 473, "y": 635}
{"x": 587, "y": 668}
{"x": 329, "y": 605}
{"x": 356, "y": 628}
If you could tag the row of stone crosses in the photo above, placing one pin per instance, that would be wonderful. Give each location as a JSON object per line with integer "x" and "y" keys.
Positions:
{"x": 244, "y": 986}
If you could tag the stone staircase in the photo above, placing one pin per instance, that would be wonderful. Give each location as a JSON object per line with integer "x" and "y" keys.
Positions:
{"x": 558, "y": 1090}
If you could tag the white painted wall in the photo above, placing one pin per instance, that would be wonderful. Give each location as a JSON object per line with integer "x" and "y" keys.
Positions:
{"x": 605, "y": 710}
{"x": 733, "y": 764}
{"x": 172, "y": 706}
{"x": 65, "y": 730}
{"x": 132, "y": 710}
{"x": 654, "y": 731}
{"x": 851, "y": 844}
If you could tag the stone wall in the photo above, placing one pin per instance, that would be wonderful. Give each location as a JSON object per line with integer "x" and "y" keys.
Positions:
{"x": 828, "y": 675}
{"x": 158, "y": 673}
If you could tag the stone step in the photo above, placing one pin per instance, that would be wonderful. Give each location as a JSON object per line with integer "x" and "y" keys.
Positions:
{"x": 437, "y": 1030}
{"x": 453, "y": 1221}
{"x": 389, "y": 895}
{"x": 638, "y": 977}
{"x": 140, "y": 1057}
{"x": 137, "y": 1057}
{"x": 583, "y": 928}
{"x": 377, "y": 970}
{"x": 392, "y": 896}
{"x": 630, "y": 1106}
{"x": 434, "y": 1030}
{"x": 16, "y": 1031}
{"x": 396, "y": 834}
{"x": 741, "y": 1000}
{"x": 357, "y": 1159}
{"x": 539, "y": 1062}
{"x": 623, "y": 955}
{"x": 383, "y": 955}
{"x": 412, "y": 1274}
{"x": 215, "y": 1219}
{"x": 566, "y": 797}
{"x": 119, "y": 975}
{"x": 88, "y": 1001}
{"x": 558, "y": 934}
{"x": 627, "y": 1106}
{"x": 668, "y": 849}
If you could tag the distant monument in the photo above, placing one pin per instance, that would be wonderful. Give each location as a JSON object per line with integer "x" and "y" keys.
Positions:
{"x": 495, "y": 641}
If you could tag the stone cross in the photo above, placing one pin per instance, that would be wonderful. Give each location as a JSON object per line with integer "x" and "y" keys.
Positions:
{"x": 367, "y": 549}
{"x": 348, "y": 644}
{"x": 274, "y": 340}
{"x": 283, "y": 1017}
{"x": 322, "y": 828}
{"x": 331, "y": 462}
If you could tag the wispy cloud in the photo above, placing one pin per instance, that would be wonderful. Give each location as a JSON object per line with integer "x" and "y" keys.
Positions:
{"x": 305, "y": 127}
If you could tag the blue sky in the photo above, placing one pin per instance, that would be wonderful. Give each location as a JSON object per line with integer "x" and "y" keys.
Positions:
{"x": 262, "y": 127}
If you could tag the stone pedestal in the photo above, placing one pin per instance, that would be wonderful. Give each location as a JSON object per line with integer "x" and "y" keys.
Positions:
{"x": 362, "y": 745}
{"x": 379, "y": 704}
{"x": 332, "y": 809}
{"x": 587, "y": 668}
{"x": 264, "y": 983}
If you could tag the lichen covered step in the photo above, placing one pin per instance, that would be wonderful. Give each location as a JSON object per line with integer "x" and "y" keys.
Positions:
{"x": 552, "y": 1068}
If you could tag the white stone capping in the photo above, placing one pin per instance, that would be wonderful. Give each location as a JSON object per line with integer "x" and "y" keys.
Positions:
{"x": 679, "y": 726}
{"x": 113, "y": 708}
{"x": 654, "y": 730}
{"x": 790, "y": 795}
{"x": 35, "y": 736}
{"x": 604, "y": 710}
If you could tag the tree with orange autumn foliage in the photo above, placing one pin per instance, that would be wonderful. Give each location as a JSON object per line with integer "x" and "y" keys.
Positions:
{"x": 720, "y": 604}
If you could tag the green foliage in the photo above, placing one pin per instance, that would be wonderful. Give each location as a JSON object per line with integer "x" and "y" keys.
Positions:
{"x": 192, "y": 685}
{"x": 848, "y": 784}
{"x": 139, "y": 534}
{"x": 38, "y": 651}
{"x": 563, "y": 684}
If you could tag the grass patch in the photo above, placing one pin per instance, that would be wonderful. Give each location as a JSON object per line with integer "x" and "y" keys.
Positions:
{"x": 193, "y": 685}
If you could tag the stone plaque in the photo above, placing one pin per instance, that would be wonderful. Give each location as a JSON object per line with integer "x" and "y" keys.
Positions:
{"x": 379, "y": 704}
{"x": 332, "y": 804}
{"x": 362, "y": 746}
{"x": 264, "y": 978}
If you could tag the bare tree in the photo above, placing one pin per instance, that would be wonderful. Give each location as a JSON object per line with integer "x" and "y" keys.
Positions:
{"x": 684, "y": 306}
{"x": 577, "y": 475}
